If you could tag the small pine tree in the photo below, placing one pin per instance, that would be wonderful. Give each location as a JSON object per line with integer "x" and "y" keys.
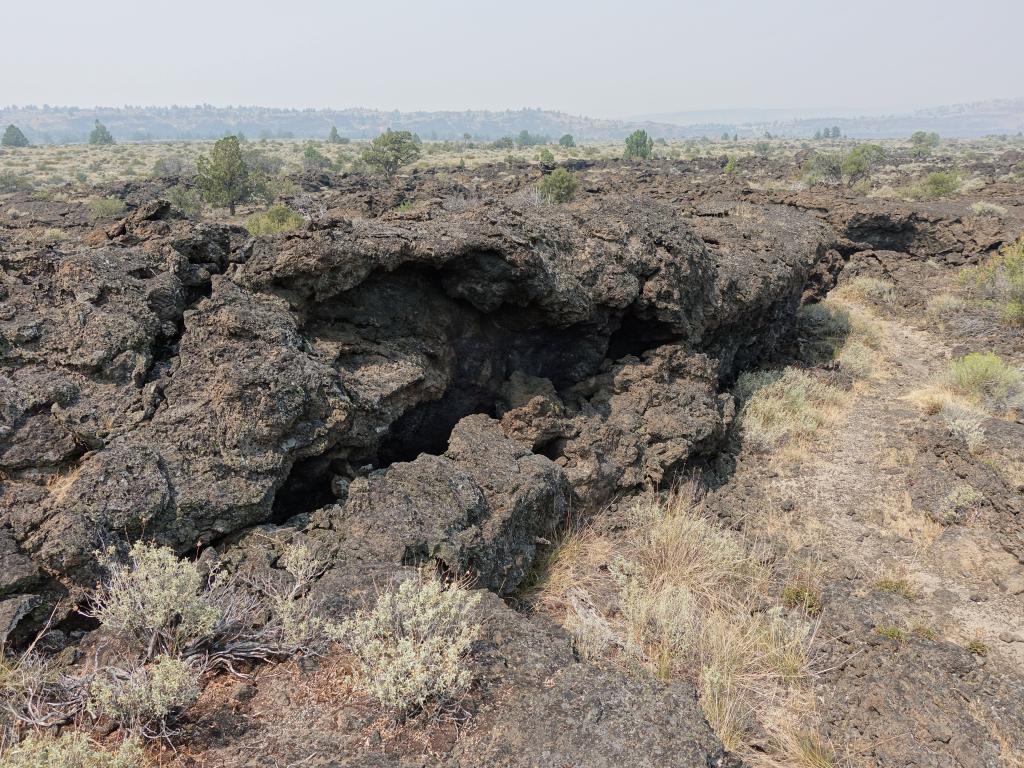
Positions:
{"x": 559, "y": 186}
{"x": 223, "y": 177}
{"x": 638, "y": 145}
{"x": 333, "y": 136}
{"x": 13, "y": 137}
{"x": 390, "y": 151}
{"x": 100, "y": 134}
{"x": 546, "y": 157}
{"x": 836, "y": 133}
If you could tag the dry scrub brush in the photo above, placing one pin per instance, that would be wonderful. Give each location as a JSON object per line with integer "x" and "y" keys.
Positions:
{"x": 790, "y": 405}
{"x": 671, "y": 590}
{"x": 411, "y": 647}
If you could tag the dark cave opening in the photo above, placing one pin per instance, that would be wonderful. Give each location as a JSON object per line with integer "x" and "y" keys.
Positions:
{"x": 636, "y": 335}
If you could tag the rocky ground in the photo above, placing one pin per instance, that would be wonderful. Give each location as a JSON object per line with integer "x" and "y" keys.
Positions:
{"x": 443, "y": 371}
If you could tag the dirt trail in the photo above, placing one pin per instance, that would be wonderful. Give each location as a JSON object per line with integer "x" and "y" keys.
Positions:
{"x": 855, "y": 492}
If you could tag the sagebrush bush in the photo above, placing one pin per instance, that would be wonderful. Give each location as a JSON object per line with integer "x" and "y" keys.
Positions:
{"x": 411, "y": 647}
{"x": 1000, "y": 280}
{"x": 559, "y": 186}
{"x": 145, "y": 699}
{"x": 965, "y": 425}
{"x": 866, "y": 288}
{"x": 984, "y": 378}
{"x": 935, "y": 185}
{"x": 984, "y": 208}
{"x": 72, "y": 749}
{"x": 277, "y": 218}
{"x": 188, "y": 201}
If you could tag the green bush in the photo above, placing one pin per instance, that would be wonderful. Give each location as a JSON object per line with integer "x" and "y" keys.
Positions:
{"x": 559, "y": 186}
{"x": 313, "y": 160}
{"x": 106, "y": 207}
{"x": 411, "y": 648}
{"x": 14, "y": 182}
{"x": 545, "y": 157}
{"x": 777, "y": 406}
{"x": 277, "y": 218}
{"x": 823, "y": 167}
{"x": 935, "y": 185}
{"x": 730, "y": 166}
{"x": 224, "y": 177}
{"x": 567, "y": 141}
{"x": 986, "y": 379}
{"x": 188, "y": 201}
{"x": 638, "y": 145}
{"x": 861, "y": 161}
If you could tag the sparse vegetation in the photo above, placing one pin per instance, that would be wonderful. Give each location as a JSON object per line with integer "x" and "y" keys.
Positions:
{"x": 779, "y": 406}
{"x": 559, "y": 186}
{"x": 277, "y": 218}
{"x": 892, "y": 632}
{"x": 934, "y": 186}
{"x": 896, "y": 585}
{"x": 411, "y": 648}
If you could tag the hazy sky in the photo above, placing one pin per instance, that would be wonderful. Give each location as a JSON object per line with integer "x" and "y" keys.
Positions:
{"x": 604, "y": 59}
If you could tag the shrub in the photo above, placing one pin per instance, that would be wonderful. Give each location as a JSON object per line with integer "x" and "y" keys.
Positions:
{"x": 891, "y": 632}
{"x": 943, "y": 306}
{"x": 780, "y": 406}
{"x": 411, "y": 648}
{"x": 145, "y": 700}
{"x": 730, "y": 166}
{"x": 567, "y": 141}
{"x": 823, "y": 167}
{"x": 72, "y": 749}
{"x": 313, "y": 160}
{"x": 1000, "y": 280}
{"x": 983, "y": 208}
{"x": 935, "y": 185}
{"x": 923, "y": 143}
{"x": 172, "y": 165}
{"x": 390, "y": 151}
{"x": 277, "y": 218}
{"x": 106, "y": 207}
{"x": 965, "y": 425}
{"x": 188, "y": 201}
{"x": 638, "y": 145}
{"x": 545, "y": 157}
{"x": 984, "y": 378}
{"x": 801, "y": 597}
{"x": 14, "y": 182}
{"x": 960, "y": 502}
{"x": 53, "y": 235}
{"x": 559, "y": 186}
{"x": 861, "y": 161}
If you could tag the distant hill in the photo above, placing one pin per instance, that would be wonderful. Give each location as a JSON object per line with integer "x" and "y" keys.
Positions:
{"x": 72, "y": 124}
{"x": 981, "y": 118}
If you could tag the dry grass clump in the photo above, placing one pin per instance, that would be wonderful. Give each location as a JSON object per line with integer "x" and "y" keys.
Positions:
{"x": 277, "y": 218}
{"x": 831, "y": 331}
{"x": 965, "y": 425}
{"x": 781, "y": 406}
{"x": 670, "y": 589}
{"x": 940, "y": 308}
{"x": 895, "y": 585}
{"x": 71, "y": 749}
{"x": 868, "y": 289}
{"x": 410, "y": 648}
{"x": 985, "y": 208}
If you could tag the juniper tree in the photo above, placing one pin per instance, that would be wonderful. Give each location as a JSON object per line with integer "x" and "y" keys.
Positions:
{"x": 567, "y": 141}
{"x": 100, "y": 134}
{"x": 390, "y": 151}
{"x": 13, "y": 137}
{"x": 223, "y": 177}
{"x": 333, "y": 136}
{"x": 638, "y": 144}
